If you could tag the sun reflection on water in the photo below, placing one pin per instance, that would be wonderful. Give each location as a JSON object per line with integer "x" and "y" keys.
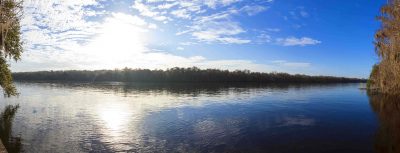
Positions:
{"x": 115, "y": 118}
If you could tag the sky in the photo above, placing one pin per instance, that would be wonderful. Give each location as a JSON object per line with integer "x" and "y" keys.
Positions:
{"x": 314, "y": 37}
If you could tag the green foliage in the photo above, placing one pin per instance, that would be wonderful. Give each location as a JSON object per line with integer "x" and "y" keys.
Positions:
{"x": 10, "y": 41}
{"x": 176, "y": 74}
{"x": 6, "y": 78}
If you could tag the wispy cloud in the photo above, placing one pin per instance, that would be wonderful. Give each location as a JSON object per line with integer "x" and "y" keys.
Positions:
{"x": 263, "y": 38}
{"x": 211, "y": 21}
{"x": 215, "y": 3}
{"x": 182, "y": 13}
{"x": 180, "y": 48}
{"x": 299, "y": 13}
{"x": 144, "y": 10}
{"x": 293, "y": 41}
{"x": 53, "y": 26}
{"x": 253, "y": 9}
{"x": 187, "y": 43}
{"x": 297, "y": 16}
{"x": 217, "y": 28}
{"x": 273, "y": 29}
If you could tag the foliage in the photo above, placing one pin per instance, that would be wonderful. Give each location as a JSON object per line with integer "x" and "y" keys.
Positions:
{"x": 386, "y": 75}
{"x": 10, "y": 41}
{"x": 176, "y": 74}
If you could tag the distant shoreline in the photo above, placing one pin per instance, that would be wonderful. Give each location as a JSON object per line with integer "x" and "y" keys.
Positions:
{"x": 178, "y": 75}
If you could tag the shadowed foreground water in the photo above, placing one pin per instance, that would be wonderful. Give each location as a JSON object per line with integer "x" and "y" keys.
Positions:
{"x": 112, "y": 117}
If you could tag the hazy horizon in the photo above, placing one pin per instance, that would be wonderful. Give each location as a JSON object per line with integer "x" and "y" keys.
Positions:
{"x": 314, "y": 38}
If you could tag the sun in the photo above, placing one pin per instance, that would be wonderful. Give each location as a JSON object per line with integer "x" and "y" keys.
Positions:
{"x": 118, "y": 42}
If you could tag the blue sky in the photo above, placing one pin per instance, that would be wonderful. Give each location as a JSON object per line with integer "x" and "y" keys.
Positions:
{"x": 316, "y": 37}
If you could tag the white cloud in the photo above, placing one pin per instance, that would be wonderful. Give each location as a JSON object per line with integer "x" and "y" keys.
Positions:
{"x": 218, "y": 28}
{"x": 182, "y": 13}
{"x": 228, "y": 2}
{"x": 187, "y": 43}
{"x": 144, "y": 10}
{"x": 180, "y": 48}
{"x": 293, "y": 41}
{"x": 211, "y": 21}
{"x": 167, "y": 5}
{"x": 56, "y": 25}
{"x": 59, "y": 15}
{"x": 298, "y": 13}
{"x": 129, "y": 19}
{"x": 253, "y": 10}
{"x": 263, "y": 38}
{"x": 232, "y": 40}
{"x": 215, "y": 3}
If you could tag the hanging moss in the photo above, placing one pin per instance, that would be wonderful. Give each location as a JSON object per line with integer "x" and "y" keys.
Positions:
{"x": 385, "y": 76}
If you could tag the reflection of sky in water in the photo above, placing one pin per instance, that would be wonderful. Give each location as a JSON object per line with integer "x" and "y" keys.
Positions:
{"x": 118, "y": 117}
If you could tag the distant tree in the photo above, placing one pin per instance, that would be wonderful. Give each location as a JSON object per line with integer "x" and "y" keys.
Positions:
{"x": 10, "y": 41}
{"x": 192, "y": 74}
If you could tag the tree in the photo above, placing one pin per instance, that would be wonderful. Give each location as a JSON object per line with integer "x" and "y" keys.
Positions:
{"x": 386, "y": 74}
{"x": 10, "y": 41}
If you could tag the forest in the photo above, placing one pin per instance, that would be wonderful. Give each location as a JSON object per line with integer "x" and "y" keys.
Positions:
{"x": 192, "y": 74}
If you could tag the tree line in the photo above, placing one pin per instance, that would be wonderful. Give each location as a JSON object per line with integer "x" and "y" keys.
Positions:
{"x": 192, "y": 74}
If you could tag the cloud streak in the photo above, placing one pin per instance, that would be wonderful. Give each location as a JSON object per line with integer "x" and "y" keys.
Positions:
{"x": 210, "y": 21}
{"x": 293, "y": 41}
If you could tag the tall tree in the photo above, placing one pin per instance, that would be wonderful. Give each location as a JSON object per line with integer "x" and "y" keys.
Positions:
{"x": 10, "y": 41}
{"x": 386, "y": 74}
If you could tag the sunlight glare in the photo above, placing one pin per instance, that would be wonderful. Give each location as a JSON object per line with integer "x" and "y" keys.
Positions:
{"x": 118, "y": 42}
{"x": 115, "y": 118}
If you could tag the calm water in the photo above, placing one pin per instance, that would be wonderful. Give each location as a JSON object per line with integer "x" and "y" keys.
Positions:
{"x": 115, "y": 117}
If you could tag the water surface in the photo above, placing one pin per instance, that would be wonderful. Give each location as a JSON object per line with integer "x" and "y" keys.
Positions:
{"x": 118, "y": 117}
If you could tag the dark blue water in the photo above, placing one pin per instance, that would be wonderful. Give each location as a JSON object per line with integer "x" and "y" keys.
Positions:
{"x": 117, "y": 117}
